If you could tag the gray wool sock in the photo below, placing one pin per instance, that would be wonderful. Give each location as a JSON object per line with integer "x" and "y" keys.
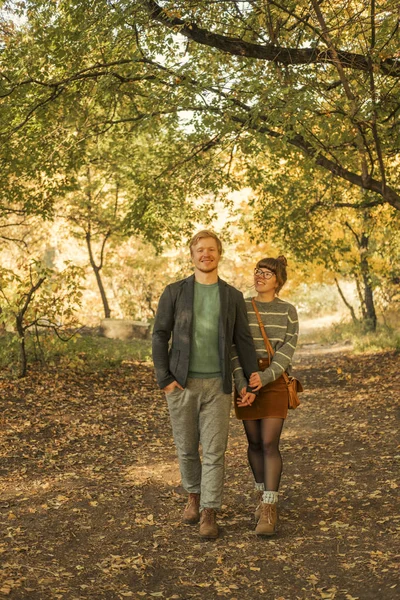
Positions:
{"x": 260, "y": 487}
{"x": 270, "y": 497}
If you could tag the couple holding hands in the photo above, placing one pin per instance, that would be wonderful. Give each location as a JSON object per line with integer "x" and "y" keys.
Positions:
{"x": 215, "y": 333}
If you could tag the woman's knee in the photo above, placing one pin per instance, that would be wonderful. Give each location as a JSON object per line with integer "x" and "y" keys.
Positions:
{"x": 270, "y": 447}
{"x": 255, "y": 446}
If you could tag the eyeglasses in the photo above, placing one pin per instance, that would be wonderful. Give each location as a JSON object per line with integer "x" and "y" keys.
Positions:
{"x": 263, "y": 274}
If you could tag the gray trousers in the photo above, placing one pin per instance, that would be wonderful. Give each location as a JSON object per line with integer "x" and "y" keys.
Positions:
{"x": 200, "y": 415}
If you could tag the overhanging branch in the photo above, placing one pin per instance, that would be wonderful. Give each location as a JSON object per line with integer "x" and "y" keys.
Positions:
{"x": 268, "y": 52}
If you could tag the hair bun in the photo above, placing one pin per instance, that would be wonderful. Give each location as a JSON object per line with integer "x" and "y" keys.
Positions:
{"x": 283, "y": 260}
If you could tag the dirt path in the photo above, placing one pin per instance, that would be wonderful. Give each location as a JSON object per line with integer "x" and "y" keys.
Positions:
{"x": 90, "y": 500}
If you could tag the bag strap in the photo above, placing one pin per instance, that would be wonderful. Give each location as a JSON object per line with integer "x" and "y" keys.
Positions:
{"x": 266, "y": 340}
{"x": 263, "y": 332}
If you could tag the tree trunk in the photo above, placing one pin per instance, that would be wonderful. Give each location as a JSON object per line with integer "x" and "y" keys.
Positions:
{"x": 22, "y": 350}
{"x": 364, "y": 288}
{"x": 97, "y": 269}
{"x": 21, "y": 329}
{"x": 2, "y": 325}
{"x": 360, "y": 297}
{"x": 349, "y": 306}
{"x": 106, "y": 306}
{"x": 370, "y": 313}
{"x": 149, "y": 299}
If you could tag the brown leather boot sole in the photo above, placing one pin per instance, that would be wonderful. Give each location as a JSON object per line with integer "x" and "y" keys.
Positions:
{"x": 209, "y": 536}
{"x": 266, "y": 533}
{"x": 190, "y": 520}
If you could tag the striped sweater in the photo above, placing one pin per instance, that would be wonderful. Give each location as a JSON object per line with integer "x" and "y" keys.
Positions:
{"x": 282, "y": 327}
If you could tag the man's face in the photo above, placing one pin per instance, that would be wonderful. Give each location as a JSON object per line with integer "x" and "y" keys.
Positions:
{"x": 205, "y": 255}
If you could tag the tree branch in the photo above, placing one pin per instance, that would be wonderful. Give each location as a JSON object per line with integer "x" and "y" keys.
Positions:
{"x": 368, "y": 183}
{"x": 355, "y": 234}
{"x": 30, "y": 114}
{"x": 360, "y": 138}
{"x": 389, "y": 195}
{"x": 16, "y": 241}
{"x": 29, "y": 298}
{"x": 54, "y": 327}
{"x": 103, "y": 245}
{"x": 268, "y": 52}
{"x": 349, "y": 306}
{"x": 359, "y": 206}
{"x": 96, "y": 70}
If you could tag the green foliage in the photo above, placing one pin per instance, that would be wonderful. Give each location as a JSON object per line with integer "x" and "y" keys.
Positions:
{"x": 96, "y": 66}
{"x": 81, "y": 353}
{"x": 97, "y": 353}
{"x": 174, "y": 104}
{"x": 35, "y": 297}
{"x": 307, "y": 216}
{"x": 276, "y": 84}
{"x": 51, "y": 303}
{"x": 140, "y": 274}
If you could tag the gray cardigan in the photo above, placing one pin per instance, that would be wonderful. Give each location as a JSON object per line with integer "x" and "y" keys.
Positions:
{"x": 174, "y": 317}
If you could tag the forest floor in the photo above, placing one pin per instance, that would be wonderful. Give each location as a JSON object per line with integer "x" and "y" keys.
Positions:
{"x": 90, "y": 500}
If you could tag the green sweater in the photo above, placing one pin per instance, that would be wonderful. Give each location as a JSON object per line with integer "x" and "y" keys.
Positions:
{"x": 204, "y": 356}
{"x": 282, "y": 327}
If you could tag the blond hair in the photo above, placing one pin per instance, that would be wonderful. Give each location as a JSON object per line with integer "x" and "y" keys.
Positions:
{"x": 205, "y": 233}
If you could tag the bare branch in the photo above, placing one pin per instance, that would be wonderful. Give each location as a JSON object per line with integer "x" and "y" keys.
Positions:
{"x": 356, "y": 206}
{"x": 355, "y": 234}
{"x": 16, "y": 241}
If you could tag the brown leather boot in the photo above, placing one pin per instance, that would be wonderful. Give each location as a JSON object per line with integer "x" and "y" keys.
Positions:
{"x": 268, "y": 519}
{"x": 208, "y": 523}
{"x": 191, "y": 514}
{"x": 257, "y": 513}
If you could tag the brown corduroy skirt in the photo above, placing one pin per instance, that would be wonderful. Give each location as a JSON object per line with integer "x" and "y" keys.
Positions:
{"x": 272, "y": 401}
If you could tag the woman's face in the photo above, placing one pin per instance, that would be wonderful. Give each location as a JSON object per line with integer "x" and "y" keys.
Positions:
{"x": 264, "y": 280}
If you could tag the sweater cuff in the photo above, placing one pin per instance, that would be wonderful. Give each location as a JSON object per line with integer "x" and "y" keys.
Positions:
{"x": 266, "y": 376}
{"x": 162, "y": 383}
{"x": 241, "y": 383}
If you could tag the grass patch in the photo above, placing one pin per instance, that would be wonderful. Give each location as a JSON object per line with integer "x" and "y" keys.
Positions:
{"x": 384, "y": 338}
{"x": 86, "y": 353}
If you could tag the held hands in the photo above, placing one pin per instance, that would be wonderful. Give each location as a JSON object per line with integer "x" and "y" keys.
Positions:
{"x": 255, "y": 382}
{"x": 171, "y": 386}
{"x": 245, "y": 398}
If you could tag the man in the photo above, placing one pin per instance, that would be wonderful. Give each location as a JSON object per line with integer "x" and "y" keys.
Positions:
{"x": 205, "y": 316}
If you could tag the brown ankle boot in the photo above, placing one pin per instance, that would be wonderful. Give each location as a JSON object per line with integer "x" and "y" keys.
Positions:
{"x": 268, "y": 519}
{"x": 257, "y": 513}
{"x": 191, "y": 514}
{"x": 208, "y": 523}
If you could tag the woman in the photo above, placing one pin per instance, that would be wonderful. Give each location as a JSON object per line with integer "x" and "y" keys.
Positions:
{"x": 263, "y": 415}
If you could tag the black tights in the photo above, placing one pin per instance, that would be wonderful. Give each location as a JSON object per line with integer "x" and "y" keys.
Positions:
{"x": 263, "y": 453}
